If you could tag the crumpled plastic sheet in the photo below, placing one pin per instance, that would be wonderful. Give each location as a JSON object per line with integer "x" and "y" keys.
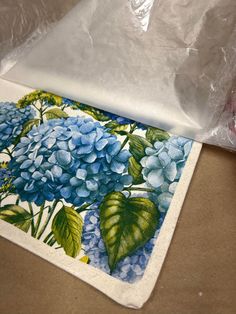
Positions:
{"x": 23, "y": 23}
{"x": 167, "y": 63}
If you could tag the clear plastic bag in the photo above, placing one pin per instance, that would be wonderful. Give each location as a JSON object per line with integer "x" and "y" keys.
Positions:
{"x": 167, "y": 63}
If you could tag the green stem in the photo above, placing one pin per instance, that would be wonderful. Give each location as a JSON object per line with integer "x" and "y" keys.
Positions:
{"x": 48, "y": 237}
{"x": 9, "y": 153}
{"x": 132, "y": 129}
{"x": 32, "y": 220}
{"x": 41, "y": 114}
{"x": 140, "y": 189}
{"x": 39, "y": 219}
{"x": 18, "y": 200}
{"x": 52, "y": 242}
{"x": 84, "y": 207}
{"x": 50, "y": 213}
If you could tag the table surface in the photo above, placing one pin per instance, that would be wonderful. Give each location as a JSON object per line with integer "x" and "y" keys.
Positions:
{"x": 198, "y": 276}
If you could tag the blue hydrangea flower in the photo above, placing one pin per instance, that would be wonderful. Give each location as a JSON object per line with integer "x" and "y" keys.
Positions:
{"x": 132, "y": 268}
{"x": 68, "y": 102}
{"x": 11, "y": 122}
{"x": 165, "y": 161}
{"x": 123, "y": 121}
{"x": 75, "y": 159}
{"x": 163, "y": 196}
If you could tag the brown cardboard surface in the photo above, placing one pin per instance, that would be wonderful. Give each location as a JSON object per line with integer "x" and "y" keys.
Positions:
{"x": 198, "y": 276}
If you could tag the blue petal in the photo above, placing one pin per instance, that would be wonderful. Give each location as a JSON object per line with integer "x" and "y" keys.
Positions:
{"x": 49, "y": 142}
{"x": 90, "y": 158}
{"x": 187, "y": 148}
{"x": 87, "y": 127}
{"x": 56, "y": 171}
{"x": 85, "y": 149}
{"x": 65, "y": 178}
{"x": 94, "y": 168}
{"x": 114, "y": 149}
{"x": 171, "y": 171}
{"x": 66, "y": 192}
{"x": 124, "y": 155}
{"x": 152, "y": 162}
{"x": 159, "y": 145}
{"x": 173, "y": 187}
{"x": 155, "y": 178}
{"x": 37, "y": 175}
{"x": 38, "y": 161}
{"x": 82, "y": 192}
{"x": 175, "y": 153}
{"x": 75, "y": 181}
{"x": 63, "y": 157}
{"x": 117, "y": 167}
{"x": 150, "y": 151}
{"x": 126, "y": 179}
{"x": 26, "y": 164}
{"x": 92, "y": 185}
{"x": 164, "y": 200}
{"x": 88, "y": 138}
{"x": 101, "y": 144}
{"x": 81, "y": 174}
{"x": 62, "y": 145}
{"x": 164, "y": 159}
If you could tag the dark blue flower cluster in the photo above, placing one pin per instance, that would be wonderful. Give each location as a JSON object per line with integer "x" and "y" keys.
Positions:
{"x": 11, "y": 122}
{"x": 75, "y": 159}
{"x": 123, "y": 121}
{"x": 68, "y": 102}
{"x": 131, "y": 268}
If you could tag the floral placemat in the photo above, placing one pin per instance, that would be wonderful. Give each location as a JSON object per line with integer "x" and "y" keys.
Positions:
{"x": 94, "y": 193}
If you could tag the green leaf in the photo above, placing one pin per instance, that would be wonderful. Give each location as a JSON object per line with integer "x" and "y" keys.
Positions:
{"x": 97, "y": 114}
{"x": 116, "y": 128}
{"x": 26, "y": 128}
{"x": 55, "y": 113}
{"x": 85, "y": 259}
{"x": 138, "y": 145}
{"x": 153, "y": 135}
{"x": 17, "y": 216}
{"x": 67, "y": 229}
{"x": 135, "y": 170}
{"x": 43, "y": 97}
{"x": 126, "y": 225}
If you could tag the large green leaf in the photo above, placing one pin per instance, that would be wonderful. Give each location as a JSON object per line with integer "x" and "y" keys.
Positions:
{"x": 116, "y": 128}
{"x": 67, "y": 229}
{"x": 138, "y": 145}
{"x": 135, "y": 170}
{"x": 17, "y": 216}
{"x": 43, "y": 97}
{"x": 126, "y": 225}
{"x": 55, "y": 113}
{"x": 26, "y": 128}
{"x": 95, "y": 113}
{"x": 153, "y": 135}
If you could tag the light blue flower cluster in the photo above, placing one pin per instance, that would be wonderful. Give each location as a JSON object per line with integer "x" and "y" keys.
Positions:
{"x": 75, "y": 159}
{"x": 163, "y": 166}
{"x": 132, "y": 268}
{"x": 11, "y": 122}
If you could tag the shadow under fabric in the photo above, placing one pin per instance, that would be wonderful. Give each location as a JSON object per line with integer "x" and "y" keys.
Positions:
{"x": 167, "y": 63}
